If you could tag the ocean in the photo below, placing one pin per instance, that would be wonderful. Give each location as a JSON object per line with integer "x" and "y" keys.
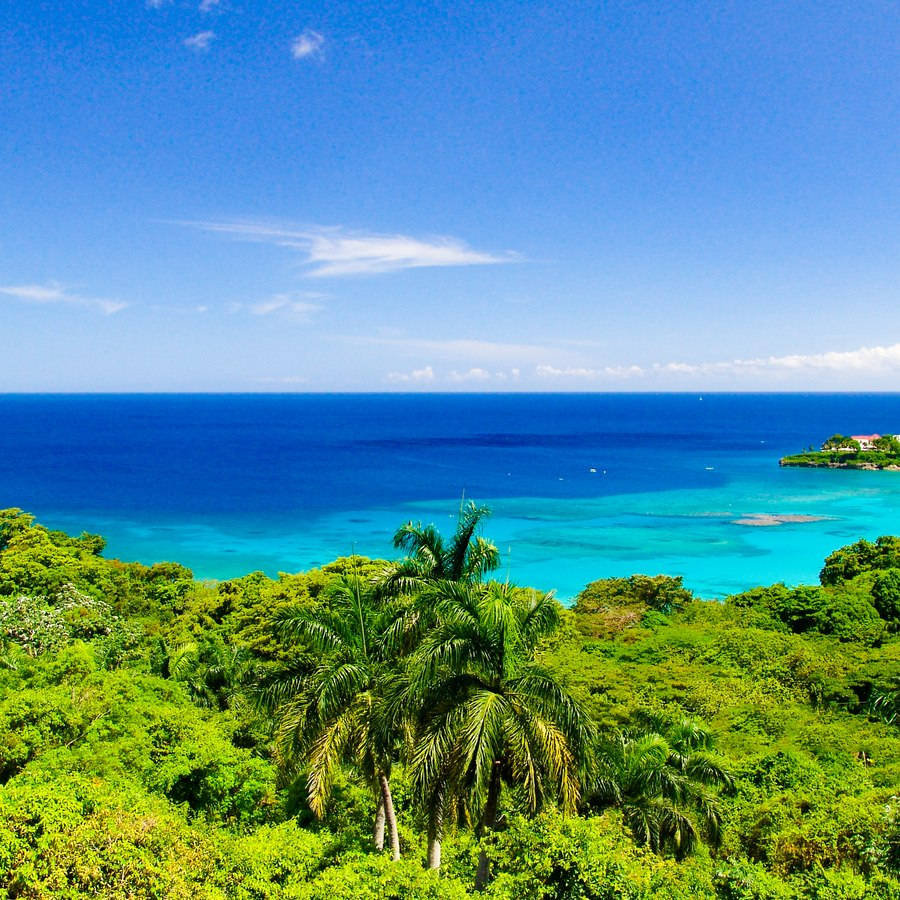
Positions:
{"x": 582, "y": 486}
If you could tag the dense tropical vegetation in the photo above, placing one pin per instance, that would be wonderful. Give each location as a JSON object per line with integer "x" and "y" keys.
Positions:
{"x": 418, "y": 729}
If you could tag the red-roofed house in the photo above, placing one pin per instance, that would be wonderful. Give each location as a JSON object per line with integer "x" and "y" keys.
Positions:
{"x": 865, "y": 440}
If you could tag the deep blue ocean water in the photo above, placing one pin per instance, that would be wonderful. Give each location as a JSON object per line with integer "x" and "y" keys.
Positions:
{"x": 582, "y": 486}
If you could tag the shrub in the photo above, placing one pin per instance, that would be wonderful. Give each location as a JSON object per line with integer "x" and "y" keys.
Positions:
{"x": 851, "y": 560}
{"x": 886, "y": 594}
{"x": 659, "y": 592}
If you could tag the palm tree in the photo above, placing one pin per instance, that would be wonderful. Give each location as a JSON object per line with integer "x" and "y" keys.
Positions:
{"x": 213, "y": 671}
{"x": 491, "y": 715}
{"x": 467, "y": 557}
{"x": 340, "y": 711}
{"x": 660, "y": 778}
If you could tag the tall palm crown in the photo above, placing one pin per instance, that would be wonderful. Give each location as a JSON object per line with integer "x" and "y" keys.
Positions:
{"x": 339, "y": 712}
{"x": 492, "y": 715}
{"x": 662, "y": 779}
{"x": 466, "y": 557}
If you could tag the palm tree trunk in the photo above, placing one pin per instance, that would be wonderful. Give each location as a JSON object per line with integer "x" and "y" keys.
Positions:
{"x": 379, "y": 826}
{"x": 435, "y": 829}
{"x": 434, "y": 850}
{"x": 389, "y": 816}
{"x": 436, "y": 824}
{"x": 488, "y": 822}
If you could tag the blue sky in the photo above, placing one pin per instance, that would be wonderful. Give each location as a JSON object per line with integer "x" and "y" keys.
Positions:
{"x": 200, "y": 195}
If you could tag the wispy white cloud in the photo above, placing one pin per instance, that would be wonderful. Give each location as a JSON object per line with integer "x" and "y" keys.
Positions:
{"x": 424, "y": 374}
{"x": 300, "y": 306}
{"x": 200, "y": 41}
{"x": 157, "y": 4}
{"x": 307, "y": 44}
{"x": 52, "y": 292}
{"x": 335, "y": 252}
{"x": 197, "y": 310}
{"x": 208, "y": 5}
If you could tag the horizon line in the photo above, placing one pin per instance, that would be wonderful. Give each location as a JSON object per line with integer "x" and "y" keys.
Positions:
{"x": 374, "y": 393}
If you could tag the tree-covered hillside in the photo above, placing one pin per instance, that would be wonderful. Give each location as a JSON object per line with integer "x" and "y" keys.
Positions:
{"x": 380, "y": 729}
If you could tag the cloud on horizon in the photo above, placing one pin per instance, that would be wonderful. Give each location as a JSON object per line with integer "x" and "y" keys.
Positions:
{"x": 307, "y": 44}
{"x": 546, "y": 371}
{"x": 865, "y": 360}
{"x": 876, "y": 360}
{"x": 52, "y": 292}
{"x": 476, "y": 374}
{"x": 424, "y": 374}
{"x": 334, "y": 252}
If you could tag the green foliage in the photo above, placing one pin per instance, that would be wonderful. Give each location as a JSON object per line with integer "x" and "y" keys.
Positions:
{"x": 134, "y": 763}
{"x": 68, "y": 715}
{"x": 366, "y": 877}
{"x": 884, "y": 703}
{"x": 466, "y": 557}
{"x": 90, "y": 839}
{"x": 213, "y": 672}
{"x": 863, "y": 556}
{"x": 32, "y": 624}
{"x": 886, "y": 594}
{"x": 887, "y": 444}
{"x": 491, "y": 713}
{"x": 845, "y": 610}
{"x": 340, "y": 710}
{"x": 662, "y": 778}
{"x": 659, "y": 592}
{"x": 38, "y": 625}
{"x": 840, "y": 442}
{"x": 554, "y": 857}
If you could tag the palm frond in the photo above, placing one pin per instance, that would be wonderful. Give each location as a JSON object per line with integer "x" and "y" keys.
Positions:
{"x": 523, "y": 760}
{"x": 546, "y": 694}
{"x": 677, "y": 829}
{"x": 324, "y": 761}
{"x": 183, "y": 659}
{"x": 274, "y": 687}
{"x": 552, "y": 751}
{"x": 479, "y": 737}
{"x": 325, "y": 631}
{"x": 338, "y": 685}
{"x": 541, "y": 618}
{"x": 706, "y": 768}
{"x": 687, "y": 735}
{"x": 483, "y": 557}
{"x": 458, "y": 552}
{"x": 423, "y": 543}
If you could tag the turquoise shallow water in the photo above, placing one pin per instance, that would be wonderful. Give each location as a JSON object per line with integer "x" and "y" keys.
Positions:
{"x": 230, "y": 485}
{"x": 562, "y": 544}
